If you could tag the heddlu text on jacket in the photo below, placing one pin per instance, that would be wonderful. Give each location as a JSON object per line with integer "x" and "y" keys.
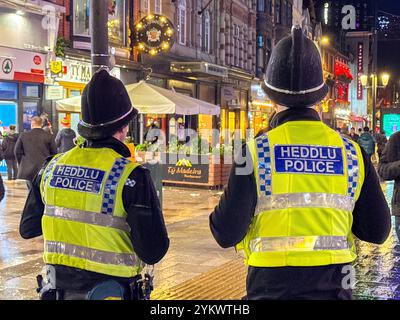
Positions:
{"x": 77, "y": 178}
{"x": 308, "y": 159}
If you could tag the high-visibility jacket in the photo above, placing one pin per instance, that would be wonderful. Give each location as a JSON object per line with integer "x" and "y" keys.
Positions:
{"x": 308, "y": 180}
{"x": 84, "y": 222}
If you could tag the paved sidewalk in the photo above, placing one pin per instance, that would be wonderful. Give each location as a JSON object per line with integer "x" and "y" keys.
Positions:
{"x": 195, "y": 267}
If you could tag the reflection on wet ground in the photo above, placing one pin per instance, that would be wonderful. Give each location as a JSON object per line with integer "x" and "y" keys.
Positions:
{"x": 193, "y": 253}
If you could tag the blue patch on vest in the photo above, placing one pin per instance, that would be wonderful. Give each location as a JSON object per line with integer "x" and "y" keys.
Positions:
{"x": 308, "y": 159}
{"x": 77, "y": 178}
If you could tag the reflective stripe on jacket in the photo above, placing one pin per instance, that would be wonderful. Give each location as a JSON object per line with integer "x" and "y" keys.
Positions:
{"x": 308, "y": 180}
{"x": 84, "y": 223}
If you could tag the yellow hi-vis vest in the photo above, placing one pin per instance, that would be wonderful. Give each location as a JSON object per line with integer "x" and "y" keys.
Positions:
{"x": 308, "y": 180}
{"x": 84, "y": 222}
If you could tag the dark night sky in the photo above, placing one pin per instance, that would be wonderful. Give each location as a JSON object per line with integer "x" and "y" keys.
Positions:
{"x": 389, "y": 51}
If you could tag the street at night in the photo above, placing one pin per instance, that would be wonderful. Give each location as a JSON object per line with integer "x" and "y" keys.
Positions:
{"x": 200, "y": 155}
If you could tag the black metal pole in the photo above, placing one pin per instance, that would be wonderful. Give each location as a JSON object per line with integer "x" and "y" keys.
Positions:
{"x": 374, "y": 64}
{"x": 99, "y": 31}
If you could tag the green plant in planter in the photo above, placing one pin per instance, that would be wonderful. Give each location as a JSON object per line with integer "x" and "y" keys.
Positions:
{"x": 61, "y": 45}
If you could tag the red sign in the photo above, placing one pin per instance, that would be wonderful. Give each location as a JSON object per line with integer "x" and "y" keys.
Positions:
{"x": 360, "y": 70}
{"x": 37, "y": 60}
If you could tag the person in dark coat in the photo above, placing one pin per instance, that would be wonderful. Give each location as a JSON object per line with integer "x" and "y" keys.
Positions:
{"x": 389, "y": 169}
{"x": 7, "y": 147}
{"x": 32, "y": 149}
{"x": 65, "y": 137}
{"x": 353, "y": 135}
{"x": 2, "y": 190}
{"x": 367, "y": 142}
{"x": 381, "y": 142}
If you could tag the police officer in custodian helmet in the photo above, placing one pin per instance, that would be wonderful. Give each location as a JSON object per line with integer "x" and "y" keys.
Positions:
{"x": 98, "y": 212}
{"x": 294, "y": 210}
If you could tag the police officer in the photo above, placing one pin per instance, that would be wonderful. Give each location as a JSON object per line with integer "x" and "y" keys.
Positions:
{"x": 98, "y": 212}
{"x": 294, "y": 210}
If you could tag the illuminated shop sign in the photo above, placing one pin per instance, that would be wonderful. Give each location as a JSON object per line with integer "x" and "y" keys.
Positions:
{"x": 360, "y": 70}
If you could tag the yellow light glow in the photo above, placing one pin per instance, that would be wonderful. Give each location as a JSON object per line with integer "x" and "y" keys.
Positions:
{"x": 385, "y": 78}
{"x": 141, "y": 46}
{"x": 170, "y": 32}
{"x": 165, "y": 45}
{"x": 139, "y": 26}
{"x": 162, "y": 19}
{"x": 153, "y": 52}
{"x": 364, "y": 80}
{"x": 325, "y": 40}
{"x": 150, "y": 17}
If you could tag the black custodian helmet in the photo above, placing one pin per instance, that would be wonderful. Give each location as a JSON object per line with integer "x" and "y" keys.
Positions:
{"x": 294, "y": 76}
{"x": 106, "y": 107}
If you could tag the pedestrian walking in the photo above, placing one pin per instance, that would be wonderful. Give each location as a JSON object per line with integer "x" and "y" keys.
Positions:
{"x": 367, "y": 142}
{"x": 354, "y": 136}
{"x": 344, "y": 132}
{"x": 8, "y": 146}
{"x": 65, "y": 139}
{"x": 381, "y": 142}
{"x": 389, "y": 170}
{"x": 46, "y": 124}
{"x": 99, "y": 212}
{"x": 293, "y": 206}
{"x": 32, "y": 149}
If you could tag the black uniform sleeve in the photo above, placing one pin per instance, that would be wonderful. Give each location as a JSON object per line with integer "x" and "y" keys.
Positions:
{"x": 19, "y": 149}
{"x": 2, "y": 190}
{"x": 230, "y": 220}
{"x": 148, "y": 232}
{"x": 371, "y": 215}
{"x": 31, "y": 219}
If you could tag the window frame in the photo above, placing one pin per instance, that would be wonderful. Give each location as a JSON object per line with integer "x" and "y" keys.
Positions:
{"x": 159, "y": 2}
{"x": 182, "y": 11}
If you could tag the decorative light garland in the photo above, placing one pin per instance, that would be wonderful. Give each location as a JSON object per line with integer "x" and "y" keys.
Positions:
{"x": 154, "y": 34}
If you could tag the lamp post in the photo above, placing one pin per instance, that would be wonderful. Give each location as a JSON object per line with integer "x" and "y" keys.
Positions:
{"x": 385, "y": 77}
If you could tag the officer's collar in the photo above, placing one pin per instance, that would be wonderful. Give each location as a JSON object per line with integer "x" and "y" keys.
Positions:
{"x": 110, "y": 143}
{"x": 298, "y": 114}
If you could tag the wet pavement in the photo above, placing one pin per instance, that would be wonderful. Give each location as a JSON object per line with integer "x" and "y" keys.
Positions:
{"x": 195, "y": 267}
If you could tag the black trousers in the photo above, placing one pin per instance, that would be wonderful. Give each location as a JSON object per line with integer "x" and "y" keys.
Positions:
{"x": 12, "y": 169}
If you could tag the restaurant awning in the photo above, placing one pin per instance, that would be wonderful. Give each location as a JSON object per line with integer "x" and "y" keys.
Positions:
{"x": 148, "y": 98}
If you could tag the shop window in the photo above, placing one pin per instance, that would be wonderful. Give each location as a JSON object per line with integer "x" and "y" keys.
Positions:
{"x": 8, "y": 90}
{"x": 8, "y": 114}
{"x": 116, "y": 19}
{"x": 30, "y": 90}
{"x": 30, "y": 110}
{"x": 182, "y": 21}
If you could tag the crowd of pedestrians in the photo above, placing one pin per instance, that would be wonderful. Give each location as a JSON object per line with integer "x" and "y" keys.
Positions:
{"x": 24, "y": 153}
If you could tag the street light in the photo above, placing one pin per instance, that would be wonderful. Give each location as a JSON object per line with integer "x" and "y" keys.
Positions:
{"x": 385, "y": 77}
{"x": 325, "y": 40}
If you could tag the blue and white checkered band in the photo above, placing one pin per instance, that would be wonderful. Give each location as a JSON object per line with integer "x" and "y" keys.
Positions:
{"x": 50, "y": 167}
{"x": 264, "y": 165}
{"x": 110, "y": 190}
{"x": 352, "y": 167}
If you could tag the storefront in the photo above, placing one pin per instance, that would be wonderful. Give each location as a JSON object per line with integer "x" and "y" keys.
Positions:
{"x": 261, "y": 110}
{"x": 234, "y": 113}
{"x": 21, "y": 87}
